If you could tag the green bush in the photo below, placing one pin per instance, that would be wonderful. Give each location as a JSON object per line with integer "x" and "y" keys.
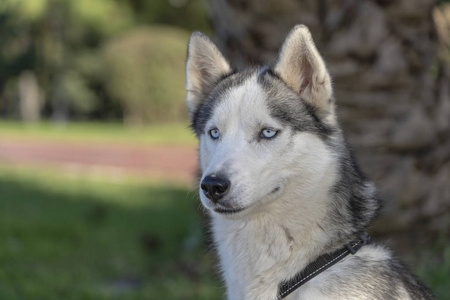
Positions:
{"x": 145, "y": 70}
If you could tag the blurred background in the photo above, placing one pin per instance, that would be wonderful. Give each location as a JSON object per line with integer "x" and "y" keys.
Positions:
{"x": 98, "y": 198}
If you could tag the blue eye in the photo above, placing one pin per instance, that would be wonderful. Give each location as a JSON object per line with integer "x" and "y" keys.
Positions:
{"x": 268, "y": 133}
{"x": 214, "y": 133}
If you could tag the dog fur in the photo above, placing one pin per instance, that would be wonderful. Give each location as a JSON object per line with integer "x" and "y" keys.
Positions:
{"x": 290, "y": 197}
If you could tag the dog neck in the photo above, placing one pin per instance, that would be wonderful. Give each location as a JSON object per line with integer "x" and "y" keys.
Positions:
{"x": 258, "y": 251}
{"x": 275, "y": 241}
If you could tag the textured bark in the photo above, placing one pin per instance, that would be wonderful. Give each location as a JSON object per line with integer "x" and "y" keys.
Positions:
{"x": 392, "y": 91}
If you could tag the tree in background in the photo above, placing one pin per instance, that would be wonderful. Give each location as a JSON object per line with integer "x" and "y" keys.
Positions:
{"x": 145, "y": 73}
{"x": 59, "y": 44}
{"x": 187, "y": 14}
{"x": 56, "y": 41}
{"x": 392, "y": 89}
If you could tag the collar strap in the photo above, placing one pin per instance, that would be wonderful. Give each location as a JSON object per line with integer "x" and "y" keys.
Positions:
{"x": 321, "y": 264}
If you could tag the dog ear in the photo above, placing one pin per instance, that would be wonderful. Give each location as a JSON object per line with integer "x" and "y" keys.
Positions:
{"x": 204, "y": 67}
{"x": 303, "y": 69}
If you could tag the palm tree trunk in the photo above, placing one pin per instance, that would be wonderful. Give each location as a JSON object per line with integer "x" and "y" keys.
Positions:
{"x": 392, "y": 90}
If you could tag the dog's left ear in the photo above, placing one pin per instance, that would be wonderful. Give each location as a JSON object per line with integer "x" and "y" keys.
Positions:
{"x": 204, "y": 67}
{"x": 303, "y": 69}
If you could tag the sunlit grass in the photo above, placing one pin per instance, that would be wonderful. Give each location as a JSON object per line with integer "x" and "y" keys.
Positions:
{"x": 156, "y": 134}
{"x": 66, "y": 237}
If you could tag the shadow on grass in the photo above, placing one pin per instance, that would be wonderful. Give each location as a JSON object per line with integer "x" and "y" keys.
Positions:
{"x": 134, "y": 241}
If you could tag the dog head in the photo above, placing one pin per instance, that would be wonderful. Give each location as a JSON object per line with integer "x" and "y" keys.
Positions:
{"x": 262, "y": 131}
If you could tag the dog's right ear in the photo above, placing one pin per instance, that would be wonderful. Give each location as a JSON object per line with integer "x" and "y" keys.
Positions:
{"x": 303, "y": 69}
{"x": 204, "y": 67}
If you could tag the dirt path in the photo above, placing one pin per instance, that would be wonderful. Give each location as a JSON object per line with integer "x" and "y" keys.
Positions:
{"x": 167, "y": 162}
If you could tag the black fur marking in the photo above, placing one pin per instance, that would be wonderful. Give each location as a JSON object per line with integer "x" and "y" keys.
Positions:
{"x": 286, "y": 106}
{"x": 289, "y": 109}
{"x": 206, "y": 108}
{"x": 364, "y": 207}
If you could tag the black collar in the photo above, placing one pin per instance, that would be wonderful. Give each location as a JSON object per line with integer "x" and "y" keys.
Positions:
{"x": 319, "y": 265}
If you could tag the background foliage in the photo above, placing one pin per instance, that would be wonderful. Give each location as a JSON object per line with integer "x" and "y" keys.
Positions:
{"x": 68, "y": 49}
{"x": 145, "y": 66}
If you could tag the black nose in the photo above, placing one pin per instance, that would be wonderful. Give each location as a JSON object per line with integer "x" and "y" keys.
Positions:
{"x": 214, "y": 187}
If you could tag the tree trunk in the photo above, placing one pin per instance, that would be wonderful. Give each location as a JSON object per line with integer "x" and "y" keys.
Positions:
{"x": 392, "y": 91}
{"x": 29, "y": 97}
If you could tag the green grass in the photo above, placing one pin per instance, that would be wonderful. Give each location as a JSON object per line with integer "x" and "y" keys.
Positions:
{"x": 65, "y": 237}
{"x": 170, "y": 133}
{"x": 434, "y": 265}
{"x": 76, "y": 237}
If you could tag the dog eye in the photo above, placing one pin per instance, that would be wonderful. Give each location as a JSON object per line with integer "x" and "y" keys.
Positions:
{"x": 214, "y": 133}
{"x": 268, "y": 133}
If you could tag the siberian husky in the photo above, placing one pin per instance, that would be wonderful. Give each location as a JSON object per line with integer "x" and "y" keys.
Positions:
{"x": 288, "y": 202}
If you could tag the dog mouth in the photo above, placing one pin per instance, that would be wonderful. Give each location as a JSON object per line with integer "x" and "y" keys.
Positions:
{"x": 227, "y": 211}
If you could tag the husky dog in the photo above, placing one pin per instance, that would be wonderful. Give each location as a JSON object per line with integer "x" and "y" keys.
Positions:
{"x": 281, "y": 185}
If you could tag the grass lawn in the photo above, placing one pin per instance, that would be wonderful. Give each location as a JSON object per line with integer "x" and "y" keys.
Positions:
{"x": 434, "y": 266}
{"x": 170, "y": 133}
{"x": 72, "y": 237}
{"x": 65, "y": 237}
